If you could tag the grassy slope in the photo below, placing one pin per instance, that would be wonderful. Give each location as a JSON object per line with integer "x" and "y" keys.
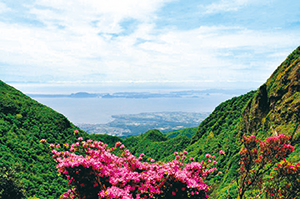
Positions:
{"x": 276, "y": 105}
{"x": 216, "y": 132}
{"x": 273, "y": 107}
{"x": 155, "y": 144}
{"x": 189, "y": 132}
{"x": 23, "y": 123}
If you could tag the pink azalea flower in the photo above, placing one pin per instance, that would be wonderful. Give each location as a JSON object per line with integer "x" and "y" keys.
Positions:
{"x": 207, "y": 155}
{"x": 43, "y": 141}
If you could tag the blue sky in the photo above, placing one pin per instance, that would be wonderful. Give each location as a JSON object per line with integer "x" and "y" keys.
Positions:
{"x": 51, "y": 45}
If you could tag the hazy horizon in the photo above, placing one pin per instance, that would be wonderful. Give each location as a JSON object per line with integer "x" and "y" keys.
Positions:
{"x": 100, "y": 110}
{"x": 71, "y": 46}
{"x": 35, "y": 88}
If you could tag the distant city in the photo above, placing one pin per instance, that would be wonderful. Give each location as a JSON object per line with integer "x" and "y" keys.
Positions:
{"x": 135, "y": 124}
{"x": 133, "y": 113}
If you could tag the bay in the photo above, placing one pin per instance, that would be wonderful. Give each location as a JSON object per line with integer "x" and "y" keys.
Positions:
{"x": 100, "y": 110}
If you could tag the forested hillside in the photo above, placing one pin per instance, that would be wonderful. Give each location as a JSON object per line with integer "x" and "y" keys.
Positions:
{"x": 220, "y": 132}
{"x": 275, "y": 108}
{"x": 189, "y": 132}
{"x": 155, "y": 144}
{"x": 271, "y": 110}
{"x": 276, "y": 104}
{"x": 23, "y": 123}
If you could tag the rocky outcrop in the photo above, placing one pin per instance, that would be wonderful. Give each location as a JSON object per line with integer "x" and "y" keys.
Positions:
{"x": 276, "y": 105}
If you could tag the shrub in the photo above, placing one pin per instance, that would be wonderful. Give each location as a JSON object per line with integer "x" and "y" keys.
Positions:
{"x": 95, "y": 170}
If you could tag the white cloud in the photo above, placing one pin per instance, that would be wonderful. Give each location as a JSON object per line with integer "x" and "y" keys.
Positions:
{"x": 3, "y": 8}
{"x": 69, "y": 47}
{"x": 171, "y": 55}
{"x": 106, "y": 15}
{"x": 228, "y": 5}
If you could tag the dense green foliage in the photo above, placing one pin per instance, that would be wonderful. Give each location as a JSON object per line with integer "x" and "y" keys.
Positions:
{"x": 272, "y": 109}
{"x": 275, "y": 106}
{"x": 220, "y": 132}
{"x": 155, "y": 144}
{"x": 108, "y": 139}
{"x": 158, "y": 145}
{"x": 189, "y": 132}
{"x": 224, "y": 118}
{"x": 10, "y": 186}
{"x": 23, "y": 123}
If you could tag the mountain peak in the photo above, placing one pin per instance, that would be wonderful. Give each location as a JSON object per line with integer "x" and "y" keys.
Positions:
{"x": 275, "y": 106}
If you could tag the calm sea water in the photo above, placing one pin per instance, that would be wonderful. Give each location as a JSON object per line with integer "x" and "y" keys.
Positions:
{"x": 100, "y": 110}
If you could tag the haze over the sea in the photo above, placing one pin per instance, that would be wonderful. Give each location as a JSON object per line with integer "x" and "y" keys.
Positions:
{"x": 69, "y": 46}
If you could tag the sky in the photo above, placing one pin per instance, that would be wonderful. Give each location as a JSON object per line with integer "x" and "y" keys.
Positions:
{"x": 55, "y": 46}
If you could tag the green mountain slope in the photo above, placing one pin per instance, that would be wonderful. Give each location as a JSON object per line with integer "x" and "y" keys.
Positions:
{"x": 158, "y": 145}
{"x": 276, "y": 105}
{"x": 155, "y": 144}
{"x": 218, "y": 131}
{"x": 189, "y": 132}
{"x": 272, "y": 109}
{"x": 23, "y": 123}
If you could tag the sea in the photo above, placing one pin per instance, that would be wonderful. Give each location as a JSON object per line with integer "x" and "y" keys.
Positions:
{"x": 100, "y": 110}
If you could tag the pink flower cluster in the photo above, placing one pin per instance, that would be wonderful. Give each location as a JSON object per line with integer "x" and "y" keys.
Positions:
{"x": 258, "y": 157}
{"x": 285, "y": 181}
{"x": 273, "y": 149}
{"x": 98, "y": 171}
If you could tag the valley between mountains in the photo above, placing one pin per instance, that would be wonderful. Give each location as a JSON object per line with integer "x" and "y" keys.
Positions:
{"x": 27, "y": 166}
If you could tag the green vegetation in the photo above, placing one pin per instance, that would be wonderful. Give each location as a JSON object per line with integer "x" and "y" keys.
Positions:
{"x": 272, "y": 109}
{"x": 10, "y": 187}
{"x": 189, "y": 132}
{"x": 275, "y": 106}
{"x": 23, "y": 123}
{"x": 220, "y": 132}
{"x": 155, "y": 144}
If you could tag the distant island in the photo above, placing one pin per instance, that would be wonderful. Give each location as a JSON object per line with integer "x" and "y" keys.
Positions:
{"x": 141, "y": 95}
